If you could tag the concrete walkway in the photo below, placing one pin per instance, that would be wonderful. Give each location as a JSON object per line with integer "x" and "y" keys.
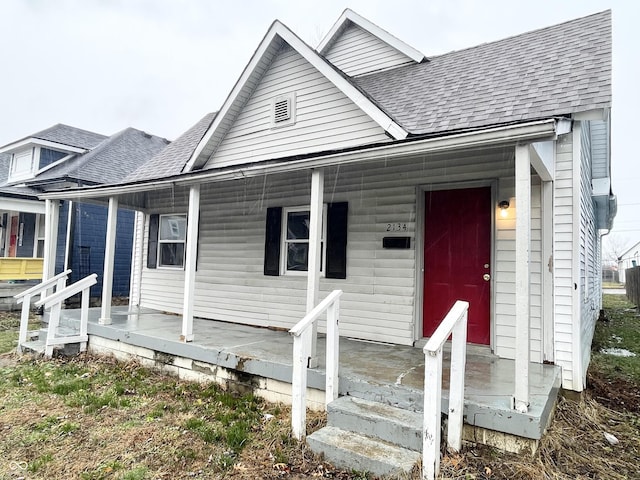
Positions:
{"x": 391, "y": 374}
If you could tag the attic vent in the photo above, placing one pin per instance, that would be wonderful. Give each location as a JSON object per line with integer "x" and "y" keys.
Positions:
{"x": 283, "y": 110}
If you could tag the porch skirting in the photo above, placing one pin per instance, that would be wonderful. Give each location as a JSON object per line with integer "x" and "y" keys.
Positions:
{"x": 234, "y": 381}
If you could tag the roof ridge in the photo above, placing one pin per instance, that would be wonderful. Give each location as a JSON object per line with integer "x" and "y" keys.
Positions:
{"x": 522, "y": 34}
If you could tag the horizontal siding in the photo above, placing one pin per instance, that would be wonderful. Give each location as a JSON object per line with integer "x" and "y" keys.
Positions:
{"x": 358, "y": 52}
{"x": 378, "y": 302}
{"x": 325, "y": 117}
{"x": 588, "y": 257}
{"x": 564, "y": 256}
{"x": 504, "y": 292}
{"x": 599, "y": 149}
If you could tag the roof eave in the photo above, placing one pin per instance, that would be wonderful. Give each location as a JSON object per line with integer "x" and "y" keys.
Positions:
{"x": 250, "y": 73}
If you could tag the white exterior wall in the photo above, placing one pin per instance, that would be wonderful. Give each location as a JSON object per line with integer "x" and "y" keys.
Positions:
{"x": 379, "y": 302}
{"x": 589, "y": 247}
{"x": 564, "y": 257}
{"x": 576, "y": 257}
{"x": 505, "y": 248}
{"x": 357, "y": 52}
{"x": 324, "y": 117}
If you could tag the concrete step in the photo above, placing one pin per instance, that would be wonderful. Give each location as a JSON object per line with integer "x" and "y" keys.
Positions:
{"x": 373, "y": 419}
{"x": 34, "y": 346}
{"x": 353, "y": 451}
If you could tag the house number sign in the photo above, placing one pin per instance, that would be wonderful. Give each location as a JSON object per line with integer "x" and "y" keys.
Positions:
{"x": 397, "y": 227}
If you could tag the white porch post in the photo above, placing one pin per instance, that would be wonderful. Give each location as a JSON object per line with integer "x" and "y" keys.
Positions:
{"x": 109, "y": 260}
{"x": 51, "y": 219}
{"x": 315, "y": 236}
{"x": 523, "y": 241}
{"x": 191, "y": 251}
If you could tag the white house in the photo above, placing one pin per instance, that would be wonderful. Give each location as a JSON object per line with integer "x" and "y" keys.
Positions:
{"x": 482, "y": 174}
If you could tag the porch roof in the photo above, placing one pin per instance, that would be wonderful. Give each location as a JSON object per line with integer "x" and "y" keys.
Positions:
{"x": 132, "y": 193}
{"x": 382, "y": 372}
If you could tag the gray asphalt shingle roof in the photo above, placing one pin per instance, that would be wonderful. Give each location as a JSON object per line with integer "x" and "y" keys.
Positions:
{"x": 553, "y": 71}
{"x": 66, "y": 135}
{"x": 5, "y": 165}
{"x": 173, "y": 158}
{"x": 109, "y": 162}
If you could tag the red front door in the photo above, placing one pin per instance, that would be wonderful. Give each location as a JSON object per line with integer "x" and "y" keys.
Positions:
{"x": 457, "y": 258}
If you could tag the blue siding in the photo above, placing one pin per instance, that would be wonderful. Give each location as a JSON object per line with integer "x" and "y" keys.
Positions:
{"x": 47, "y": 157}
{"x": 62, "y": 236}
{"x": 89, "y": 226}
{"x": 28, "y": 222}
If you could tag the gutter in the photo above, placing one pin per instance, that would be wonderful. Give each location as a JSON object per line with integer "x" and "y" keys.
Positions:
{"x": 528, "y": 132}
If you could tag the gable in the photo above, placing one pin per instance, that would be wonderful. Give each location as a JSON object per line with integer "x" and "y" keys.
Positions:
{"x": 357, "y": 52}
{"x": 324, "y": 118}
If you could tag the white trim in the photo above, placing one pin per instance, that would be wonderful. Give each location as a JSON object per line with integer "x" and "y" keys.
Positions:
{"x": 23, "y": 205}
{"x": 284, "y": 242}
{"x": 109, "y": 262}
{"x": 67, "y": 247}
{"x": 241, "y": 88}
{"x": 596, "y": 114}
{"x": 11, "y": 147}
{"x": 350, "y": 16}
{"x": 190, "y": 257}
{"x": 522, "y": 278}
{"x": 183, "y": 241}
{"x": 538, "y": 130}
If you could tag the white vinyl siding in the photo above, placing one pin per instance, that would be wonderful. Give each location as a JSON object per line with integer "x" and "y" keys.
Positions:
{"x": 380, "y": 288}
{"x": 589, "y": 243}
{"x": 358, "y": 52}
{"x": 325, "y": 118}
{"x": 599, "y": 149}
{"x": 564, "y": 256}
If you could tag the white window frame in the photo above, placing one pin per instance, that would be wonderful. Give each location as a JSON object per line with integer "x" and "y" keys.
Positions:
{"x": 22, "y": 155}
{"x": 39, "y": 234}
{"x": 159, "y": 264}
{"x": 284, "y": 242}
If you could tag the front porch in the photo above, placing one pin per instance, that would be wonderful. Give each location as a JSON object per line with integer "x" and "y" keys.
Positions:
{"x": 260, "y": 359}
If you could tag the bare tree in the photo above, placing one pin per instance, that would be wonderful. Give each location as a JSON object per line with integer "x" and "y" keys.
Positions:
{"x": 613, "y": 246}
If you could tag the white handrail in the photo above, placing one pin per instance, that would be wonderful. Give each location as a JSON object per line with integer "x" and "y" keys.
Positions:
{"x": 455, "y": 324}
{"x": 301, "y": 333}
{"x": 26, "y": 296}
{"x": 54, "y": 302}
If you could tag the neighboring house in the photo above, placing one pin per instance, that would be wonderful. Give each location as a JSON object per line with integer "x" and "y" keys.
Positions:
{"x": 65, "y": 157}
{"x": 481, "y": 174}
{"x": 629, "y": 259}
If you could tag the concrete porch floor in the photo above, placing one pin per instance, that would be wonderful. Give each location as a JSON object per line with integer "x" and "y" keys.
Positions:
{"x": 391, "y": 374}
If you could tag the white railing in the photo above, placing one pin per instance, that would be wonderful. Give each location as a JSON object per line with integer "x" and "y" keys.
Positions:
{"x": 59, "y": 281}
{"x": 455, "y": 324}
{"x": 54, "y": 302}
{"x": 302, "y": 337}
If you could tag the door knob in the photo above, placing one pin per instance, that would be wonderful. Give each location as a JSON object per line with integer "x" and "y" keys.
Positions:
{"x": 486, "y": 277}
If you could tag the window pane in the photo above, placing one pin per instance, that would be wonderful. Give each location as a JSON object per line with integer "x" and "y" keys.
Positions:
{"x": 173, "y": 227}
{"x": 298, "y": 225}
{"x": 297, "y": 256}
{"x": 172, "y": 254}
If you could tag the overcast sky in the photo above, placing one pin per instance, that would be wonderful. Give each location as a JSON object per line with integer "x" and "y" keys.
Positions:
{"x": 160, "y": 65}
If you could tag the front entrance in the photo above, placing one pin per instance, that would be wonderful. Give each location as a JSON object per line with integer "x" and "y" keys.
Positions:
{"x": 457, "y": 258}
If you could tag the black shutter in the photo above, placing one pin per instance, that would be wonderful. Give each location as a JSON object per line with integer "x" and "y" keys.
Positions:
{"x": 337, "y": 240}
{"x": 272, "y": 241}
{"x": 152, "y": 251}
